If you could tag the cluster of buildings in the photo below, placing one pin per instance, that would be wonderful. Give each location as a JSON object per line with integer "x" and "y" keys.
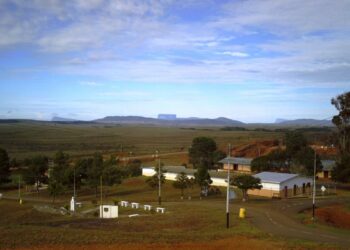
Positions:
{"x": 279, "y": 185}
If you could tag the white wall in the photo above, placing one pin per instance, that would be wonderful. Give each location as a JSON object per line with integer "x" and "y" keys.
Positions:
{"x": 108, "y": 211}
{"x": 220, "y": 182}
{"x": 148, "y": 171}
{"x": 295, "y": 181}
{"x": 270, "y": 186}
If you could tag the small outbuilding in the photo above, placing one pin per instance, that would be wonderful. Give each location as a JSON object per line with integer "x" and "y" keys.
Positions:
{"x": 237, "y": 164}
{"x": 108, "y": 211}
{"x": 327, "y": 168}
{"x": 282, "y": 185}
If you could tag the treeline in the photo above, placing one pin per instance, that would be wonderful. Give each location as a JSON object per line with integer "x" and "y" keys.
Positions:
{"x": 61, "y": 172}
{"x": 297, "y": 157}
{"x": 283, "y": 130}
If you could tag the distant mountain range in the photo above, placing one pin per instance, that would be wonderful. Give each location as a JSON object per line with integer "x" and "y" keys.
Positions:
{"x": 183, "y": 122}
{"x": 304, "y": 122}
{"x": 194, "y": 121}
{"x": 62, "y": 119}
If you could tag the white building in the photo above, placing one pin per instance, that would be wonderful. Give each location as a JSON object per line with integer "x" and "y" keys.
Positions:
{"x": 282, "y": 185}
{"x": 108, "y": 211}
{"x": 171, "y": 172}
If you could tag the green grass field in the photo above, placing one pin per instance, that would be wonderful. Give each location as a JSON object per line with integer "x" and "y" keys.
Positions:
{"x": 200, "y": 221}
{"x": 27, "y": 138}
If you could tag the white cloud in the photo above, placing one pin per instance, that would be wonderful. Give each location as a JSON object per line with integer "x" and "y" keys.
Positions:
{"x": 93, "y": 84}
{"x": 234, "y": 53}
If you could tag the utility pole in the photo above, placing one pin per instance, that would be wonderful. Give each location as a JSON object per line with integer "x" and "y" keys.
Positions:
{"x": 74, "y": 192}
{"x": 19, "y": 190}
{"x": 228, "y": 190}
{"x": 314, "y": 190}
{"x": 159, "y": 180}
{"x": 101, "y": 209}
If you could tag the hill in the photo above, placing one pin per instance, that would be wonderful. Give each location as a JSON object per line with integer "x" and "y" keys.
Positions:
{"x": 193, "y": 121}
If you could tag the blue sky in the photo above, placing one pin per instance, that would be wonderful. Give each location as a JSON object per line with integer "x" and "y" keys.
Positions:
{"x": 249, "y": 60}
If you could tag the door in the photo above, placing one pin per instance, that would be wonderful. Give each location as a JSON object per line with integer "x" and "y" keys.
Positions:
{"x": 285, "y": 191}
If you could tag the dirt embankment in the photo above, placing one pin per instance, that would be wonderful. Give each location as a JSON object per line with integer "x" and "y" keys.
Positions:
{"x": 336, "y": 215}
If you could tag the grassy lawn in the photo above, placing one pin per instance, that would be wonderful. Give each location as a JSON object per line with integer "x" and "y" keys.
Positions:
{"x": 196, "y": 221}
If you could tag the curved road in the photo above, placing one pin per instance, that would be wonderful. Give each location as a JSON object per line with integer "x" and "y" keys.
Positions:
{"x": 278, "y": 218}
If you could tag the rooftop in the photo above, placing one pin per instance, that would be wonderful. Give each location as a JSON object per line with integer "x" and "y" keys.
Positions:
{"x": 328, "y": 165}
{"x": 236, "y": 160}
{"x": 273, "y": 177}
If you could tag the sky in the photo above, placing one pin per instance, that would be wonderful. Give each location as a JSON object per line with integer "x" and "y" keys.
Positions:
{"x": 248, "y": 60}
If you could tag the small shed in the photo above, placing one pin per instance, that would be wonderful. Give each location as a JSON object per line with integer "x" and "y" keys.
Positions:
{"x": 108, "y": 211}
{"x": 238, "y": 164}
{"x": 327, "y": 168}
{"x": 282, "y": 185}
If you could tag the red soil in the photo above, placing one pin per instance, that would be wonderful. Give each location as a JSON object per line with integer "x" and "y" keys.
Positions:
{"x": 335, "y": 215}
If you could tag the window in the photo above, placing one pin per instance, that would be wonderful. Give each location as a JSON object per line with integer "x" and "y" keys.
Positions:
{"x": 105, "y": 209}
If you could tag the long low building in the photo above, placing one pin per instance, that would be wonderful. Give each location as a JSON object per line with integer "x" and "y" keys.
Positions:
{"x": 273, "y": 184}
{"x": 282, "y": 185}
{"x": 218, "y": 177}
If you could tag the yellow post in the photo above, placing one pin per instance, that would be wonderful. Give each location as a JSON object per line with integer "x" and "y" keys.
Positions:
{"x": 242, "y": 213}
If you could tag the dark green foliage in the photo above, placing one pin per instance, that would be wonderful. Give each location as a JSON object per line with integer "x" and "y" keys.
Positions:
{"x": 274, "y": 161}
{"x": 182, "y": 182}
{"x": 304, "y": 161}
{"x": 295, "y": 141}
{"x": 246, "y": 182}
{"x": 233, "y": 129}
{"x": 202, "y": 178}
{"x": 112, "y": 176}
{"x": 61, "y": 165}
{"x": 55, "y": 188}
{"x": 153, "y": 181}
{"x": 134, "y": 168}
{"x": 342, "y": 121}
{"x": 341, "y": 172}
{"x": 217, "y": 156}
{"x": 4, "y": 166}
{"x": 35, "y": 173}
{"x": 94, "y": 171}
{"x": 202, "y": 152}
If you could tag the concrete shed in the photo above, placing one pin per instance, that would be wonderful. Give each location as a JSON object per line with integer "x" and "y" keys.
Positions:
{"x": 238, "y": 164}
{"x": 282, "y": 185}
{"x": 327, "y": 168}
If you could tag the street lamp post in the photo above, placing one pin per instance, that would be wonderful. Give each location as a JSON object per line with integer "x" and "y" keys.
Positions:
{"x": 314, "y": 189}
{"x": 159, "y": 180}
{"x": 228, "y": 191}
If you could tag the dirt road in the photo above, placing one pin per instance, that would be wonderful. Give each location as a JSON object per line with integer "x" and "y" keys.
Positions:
{"x": 279, "y": 218}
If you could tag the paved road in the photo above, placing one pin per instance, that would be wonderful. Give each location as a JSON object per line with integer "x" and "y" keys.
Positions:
{"x": 278, "y": 218}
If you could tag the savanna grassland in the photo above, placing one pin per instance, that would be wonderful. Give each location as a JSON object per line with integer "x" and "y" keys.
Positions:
{"x": 24, "y": 139}
{"x": 187, "y": 224}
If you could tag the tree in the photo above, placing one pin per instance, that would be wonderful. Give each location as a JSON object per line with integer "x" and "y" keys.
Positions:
{"x": 342, "y": 121}
{"x": 202, "y": 178}
{"x": 153, "y": 181}
{"x": 112, "y": 176}
{"x": 61, "y": 164}
{"x": 4, "y": 166}
{"x": 134, "y": 168}
{"x": 94, "y": 171}
{"x": 304, "y": 161}
{"x": 246, "y": 182}
{"x": 202, "y": 152}
{"x": 217, "y": 156}
{"x": 55, "y": 188}
{"x": 295, "y": 141}
{"x": 35, "y": 173}
{"x": 182, "y": 182}
{"x": 274, "y": 161}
